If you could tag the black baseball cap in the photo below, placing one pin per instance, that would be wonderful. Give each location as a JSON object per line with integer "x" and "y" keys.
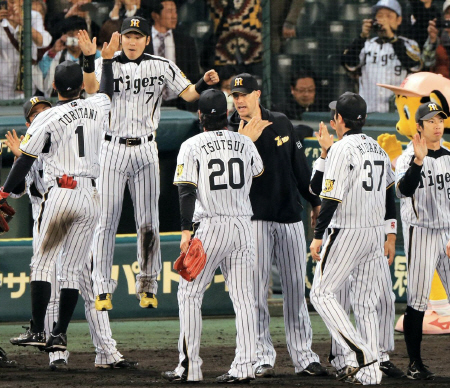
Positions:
{"x": 135, "y": 24}
{"x": 244, "y": 83}
{"x": 31, "y": 103}
{"x": 212, "y": 102}
{"x": 350, "y": 106}
{"x": 429, "y": 110}
{"x": 68, "y": 76}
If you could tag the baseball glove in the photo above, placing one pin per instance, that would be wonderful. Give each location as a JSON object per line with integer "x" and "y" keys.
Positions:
{"x": 191, "y": 263}
{"x": 6, "y": 215}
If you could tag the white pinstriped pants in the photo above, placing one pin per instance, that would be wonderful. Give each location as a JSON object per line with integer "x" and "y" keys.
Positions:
{"x": 228, "y": 243}
{"x": 139, "y": 167}
{"x": 354, "y": 252}
{"x": 65, "y": 226}
{"x": 425, "y": 252}
{"x": 385, "y": 312}
{"x": 285, "y": 244}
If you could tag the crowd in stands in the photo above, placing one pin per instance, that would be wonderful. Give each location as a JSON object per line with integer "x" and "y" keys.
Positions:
{"x": 318, "y": 48}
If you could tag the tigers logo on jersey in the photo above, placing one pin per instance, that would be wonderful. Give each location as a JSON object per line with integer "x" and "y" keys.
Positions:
{"x": 25, "y": 139}
{"x": 329, "y": 185}
{"x": 180, "y": 169}
{"x": 280, "y": 140}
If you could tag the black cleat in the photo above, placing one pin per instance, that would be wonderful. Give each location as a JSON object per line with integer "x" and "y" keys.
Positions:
{"x": 60, "y": 364}
{"x": 314, "y": 369}
{"x": 172, "y": 376}
{"x": 4, "y": 362}
{"x": 418, "y": 371}
{"x": 390, "y": 370}
{"x": 349, "y": 371}
{"x": 121, "y": 364}
{"x": 229, "y": 379}
{"x": 265, "y": 370}
{"x": 56, "y": 342}
{"x": 29, "y": 338}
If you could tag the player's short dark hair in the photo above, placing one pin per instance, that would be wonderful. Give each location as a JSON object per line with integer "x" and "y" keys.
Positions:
{"x": 75, "y": 93}
{"x": 354, "y": 124}
{"x": 300, "y": 74}
{"x": 212, "y": 122}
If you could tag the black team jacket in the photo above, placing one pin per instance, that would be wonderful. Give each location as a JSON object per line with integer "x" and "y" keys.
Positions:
{"x": 275, "y": 195}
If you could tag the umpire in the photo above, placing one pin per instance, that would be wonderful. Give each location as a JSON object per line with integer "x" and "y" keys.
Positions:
{"x": 278, "y": 229}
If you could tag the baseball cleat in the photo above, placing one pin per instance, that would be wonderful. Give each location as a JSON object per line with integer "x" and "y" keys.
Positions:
{"x": 352, "y": 380}
{"x": 121, "y": 364}
{"x": 265, "y": 370}
{"x": 103, "y": 302}
{"x": 171, "y": 375}
{"x": 390, "y": 370}
{"x": 349, "y": 371}
{"x": 60, "y": 364}
{"x": 56, "y": 342}
{"x": 148, "y": 300}
{"x": 29, "y": 338}
{"x": 4, "y": 362}
{"x": 314, "y": 369}
{"x": 229, "y": 379}
{"x": 418, "y": 371}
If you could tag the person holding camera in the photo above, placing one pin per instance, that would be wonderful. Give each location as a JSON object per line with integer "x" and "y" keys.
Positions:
{"x": 385, "y": 58}
{"x": 436, "y": 50}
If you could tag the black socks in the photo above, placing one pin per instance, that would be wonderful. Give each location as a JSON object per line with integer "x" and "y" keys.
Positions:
{"x": 40, "y": 296}
{"x": 412, "y": 327}
{"x": 67, "y": 303}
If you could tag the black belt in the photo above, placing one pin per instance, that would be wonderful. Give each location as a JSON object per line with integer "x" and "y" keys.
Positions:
{"x": 130, "y": 141}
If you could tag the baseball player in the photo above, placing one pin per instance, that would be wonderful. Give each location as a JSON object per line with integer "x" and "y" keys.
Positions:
{"x": 422, "y": 185}
{"x": 70, "y": 207}
{"x": 356, "y": 176}
{"x": 385, "y": 58}
{"x": 386, "y": 303}
{"x": 107, "y": 356}
{"x": 278, "y": 229}
{"x": 129, "y": 153}
{"x": 214, "y": 174}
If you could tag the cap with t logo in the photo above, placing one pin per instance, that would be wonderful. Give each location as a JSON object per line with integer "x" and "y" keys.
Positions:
{"x": 135, "y": 24}
{"x": 244, "y": 83}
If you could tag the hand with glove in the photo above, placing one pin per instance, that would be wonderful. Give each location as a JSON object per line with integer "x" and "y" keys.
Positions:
{"x": 190, "y": 263}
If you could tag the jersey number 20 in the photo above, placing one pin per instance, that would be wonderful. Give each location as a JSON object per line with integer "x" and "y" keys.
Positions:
{"x": 231, "y": 178}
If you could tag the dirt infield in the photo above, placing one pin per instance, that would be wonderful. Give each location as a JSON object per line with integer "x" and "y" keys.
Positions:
{"x": 33, "y": 370}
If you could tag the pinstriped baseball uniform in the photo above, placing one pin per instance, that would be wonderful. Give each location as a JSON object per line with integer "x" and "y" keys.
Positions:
{"x": 427, "y": 215}
{"x": 385, "y": 306}
{"x": 135, "y": 114}
{"x": 66, "y": 218}
{"x": 357, "y": 174}
{"x": 99, "y": 327}
{"x": 222, "y": 165}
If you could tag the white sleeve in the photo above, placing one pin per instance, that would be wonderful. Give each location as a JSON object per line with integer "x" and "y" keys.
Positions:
{"x": 186, "y": 171}
{"x": 38, "y": 25}
{"x": 403, "y": 164}
{"x": 37, "y": 135}
{"x": 256, "y": 161}
{"x": 102, "y": 100}
{"x": 175, "y": 78}
{"x": 98, "y": 69}
{"x": 336, "y": 174}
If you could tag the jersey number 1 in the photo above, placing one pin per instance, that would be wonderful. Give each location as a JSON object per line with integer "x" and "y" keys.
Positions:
{"x": 80, "y": 135}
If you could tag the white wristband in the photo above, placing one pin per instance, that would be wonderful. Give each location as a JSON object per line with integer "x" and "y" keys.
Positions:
{"x": 319, "y": 165}
{"x": 390, "y": 226}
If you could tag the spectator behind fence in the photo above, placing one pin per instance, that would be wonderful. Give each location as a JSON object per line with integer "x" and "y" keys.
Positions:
{"x": 237, "y": 38}
{"x": 77, "y": 8}
{"x": 283, "y": 19}
{"x": 303, "y": 97}
{"x": 436, "y": 50}
{"x": 422, "y": 12}
{"x": 169, "y": 43}
{"x": 65, "y": 48}
{"x": 12, "y": 50}
{"x": 386, "y": 58}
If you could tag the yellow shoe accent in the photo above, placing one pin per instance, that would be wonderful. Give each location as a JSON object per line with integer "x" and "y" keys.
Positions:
{"x": 148, "y": 300}
{"x": 103, "y": 302}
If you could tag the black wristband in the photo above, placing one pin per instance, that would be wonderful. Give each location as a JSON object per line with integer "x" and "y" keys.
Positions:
{"x": 201, "y": 86}
{"x": 89, "y": 63}
{"x": 328, "y": 149}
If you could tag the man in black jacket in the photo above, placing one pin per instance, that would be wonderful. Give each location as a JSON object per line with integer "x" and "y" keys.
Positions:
{"x": 278, "y": 229}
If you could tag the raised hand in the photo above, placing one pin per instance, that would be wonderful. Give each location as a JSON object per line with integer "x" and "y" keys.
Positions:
{"x": 13, "y": 142}
{"x": 324, "y": 138}
{"x": 420, "y": 148}
{"x": 211, "y": 77}
{"x": 87, "y": 46}
{"x": 110, "y": 48}
{"x": 254, "y": 128}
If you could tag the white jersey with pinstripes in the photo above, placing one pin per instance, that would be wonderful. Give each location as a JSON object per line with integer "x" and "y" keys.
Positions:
{"x": 74, "y": 130}
{"x": 216, "y": 162}
{"x": 429, "y": 207}
{"x": 379, "y": 64}
{"x": 138, "y": 92}
{"x": 358, "y": 170}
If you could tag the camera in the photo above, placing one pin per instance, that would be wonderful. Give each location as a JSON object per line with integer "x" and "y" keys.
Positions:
{"x": 71, "y": 41}
{"x": 376, "y": 27}
{"x": 444, "y": 23}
